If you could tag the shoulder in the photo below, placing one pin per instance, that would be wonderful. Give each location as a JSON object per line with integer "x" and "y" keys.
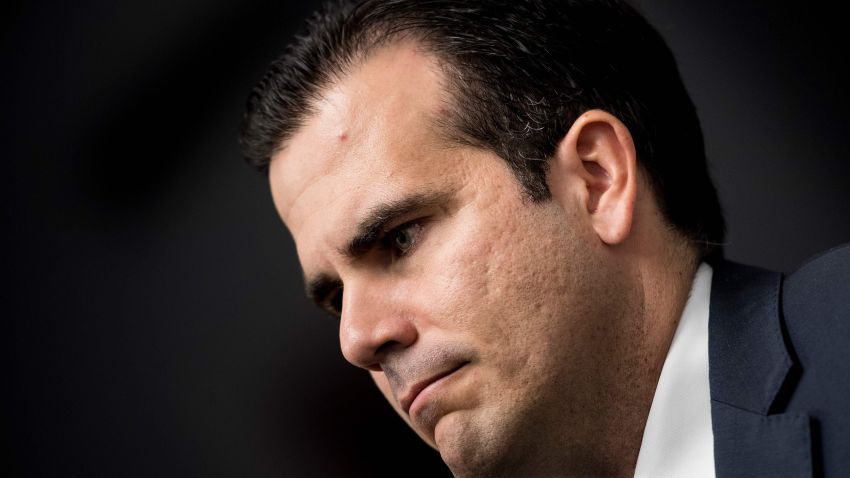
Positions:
{"x": 819, "y": 292}
{"x": 816, "y": 309}
{"x": 780, "y": 347}
{"x": 816, "y": 315}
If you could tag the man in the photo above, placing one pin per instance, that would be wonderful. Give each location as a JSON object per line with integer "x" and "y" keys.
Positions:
{"x": 507, "y": 205}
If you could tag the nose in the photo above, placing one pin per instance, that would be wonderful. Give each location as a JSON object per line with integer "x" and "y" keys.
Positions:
{"x": 373, "y": 324}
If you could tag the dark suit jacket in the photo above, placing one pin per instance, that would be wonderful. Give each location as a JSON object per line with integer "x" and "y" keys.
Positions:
{"x": 779, "y": 369}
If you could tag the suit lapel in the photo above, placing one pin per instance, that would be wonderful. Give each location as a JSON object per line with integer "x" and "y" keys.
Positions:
{"x": 748, "y": 365}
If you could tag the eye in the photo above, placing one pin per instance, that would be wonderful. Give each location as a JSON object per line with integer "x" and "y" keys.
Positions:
{"x": 333, "y": 302}
{"x": 402, "y": 239}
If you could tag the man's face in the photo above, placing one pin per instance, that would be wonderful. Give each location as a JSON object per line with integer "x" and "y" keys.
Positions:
{"x": 478, "y": 313}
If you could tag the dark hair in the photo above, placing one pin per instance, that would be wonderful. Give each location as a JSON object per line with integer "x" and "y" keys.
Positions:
{"x": 520, "y": 73}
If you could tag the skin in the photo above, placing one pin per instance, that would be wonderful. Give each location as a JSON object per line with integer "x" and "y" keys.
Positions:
{"x": 551, "y": 319}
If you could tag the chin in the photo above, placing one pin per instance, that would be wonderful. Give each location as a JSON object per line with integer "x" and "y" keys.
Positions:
{"x": 467, "y": 448}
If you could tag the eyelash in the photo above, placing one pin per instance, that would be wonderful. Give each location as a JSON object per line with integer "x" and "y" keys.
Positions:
{"x": 390, "y": 238}
{"x": 333, "y": 301}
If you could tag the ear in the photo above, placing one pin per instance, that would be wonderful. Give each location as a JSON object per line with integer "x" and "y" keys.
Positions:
{"x": 596, "y": 162}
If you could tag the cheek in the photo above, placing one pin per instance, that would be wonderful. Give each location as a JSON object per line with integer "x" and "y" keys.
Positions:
{"x": 519, "y": 278}
{"x": 486, "y": 272}
{"x": 457, "y": 275}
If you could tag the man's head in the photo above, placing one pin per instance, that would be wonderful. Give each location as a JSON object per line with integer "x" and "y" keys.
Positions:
{"x": 519, "y": 73}
{"x": 480, "y": 190}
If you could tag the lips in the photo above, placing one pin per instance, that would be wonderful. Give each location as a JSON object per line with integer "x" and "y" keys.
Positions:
{"x": 407, "y": 400}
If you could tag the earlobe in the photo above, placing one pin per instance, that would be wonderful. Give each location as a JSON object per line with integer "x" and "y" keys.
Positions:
{"x": 596, "y": 162}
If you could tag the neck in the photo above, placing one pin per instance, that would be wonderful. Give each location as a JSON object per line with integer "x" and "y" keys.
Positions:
{"x": 660, "y": 286}
{"x": 665, "y": 281}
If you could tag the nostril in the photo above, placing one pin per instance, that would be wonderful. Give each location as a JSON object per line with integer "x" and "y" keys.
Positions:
{"x": 386, "y": 348}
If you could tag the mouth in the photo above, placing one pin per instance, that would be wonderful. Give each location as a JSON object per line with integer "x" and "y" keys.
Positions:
{"x": 418, "y": 387}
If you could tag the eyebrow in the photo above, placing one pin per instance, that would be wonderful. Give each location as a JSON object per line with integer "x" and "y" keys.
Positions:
{"x": 373, "y": 226}
{"x": 369, "y": 231}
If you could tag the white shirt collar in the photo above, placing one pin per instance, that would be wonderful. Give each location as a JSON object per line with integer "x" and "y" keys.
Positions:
{"x": 678, "y": 440}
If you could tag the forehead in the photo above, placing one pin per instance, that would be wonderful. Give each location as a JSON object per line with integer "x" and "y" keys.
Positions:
{"x": 370, "y": 138}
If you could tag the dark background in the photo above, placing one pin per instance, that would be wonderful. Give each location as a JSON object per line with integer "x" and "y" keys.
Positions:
{"x": 154, "y": 320}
